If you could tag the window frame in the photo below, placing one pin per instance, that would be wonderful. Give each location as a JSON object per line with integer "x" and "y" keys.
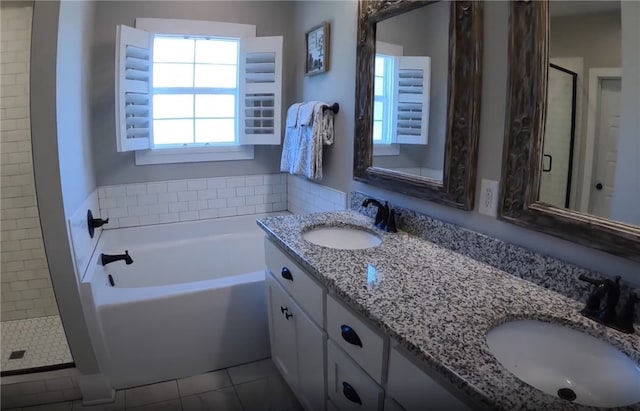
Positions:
{"x": 387, "y": 147}
{"x": 205, "y": 152}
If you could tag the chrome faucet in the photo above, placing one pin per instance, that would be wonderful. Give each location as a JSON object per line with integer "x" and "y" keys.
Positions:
{"x": 607, "y": 315}
{"x": 108, "y": 259}
{"x": 385, "y": 216}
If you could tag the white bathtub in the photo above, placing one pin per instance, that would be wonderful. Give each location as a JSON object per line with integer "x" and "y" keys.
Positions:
{"x": 192, "y": 301}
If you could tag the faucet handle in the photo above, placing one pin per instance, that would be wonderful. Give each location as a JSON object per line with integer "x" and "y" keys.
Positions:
{"x": 608, "y": 315}
{"x": 627, "y": 314}
{"x": 391, "y": 221}
{"x": 593, "y": 301}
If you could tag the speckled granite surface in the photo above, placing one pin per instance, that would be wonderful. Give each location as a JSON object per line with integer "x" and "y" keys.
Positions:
{"x": 546, "y": 271}
{"x": 438, "y": 304}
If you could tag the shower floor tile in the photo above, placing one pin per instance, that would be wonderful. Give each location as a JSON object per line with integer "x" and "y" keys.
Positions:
{"x": 42, "y": 339}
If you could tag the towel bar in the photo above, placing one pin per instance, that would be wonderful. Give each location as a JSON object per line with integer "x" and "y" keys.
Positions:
{"x": 335, "y": 107}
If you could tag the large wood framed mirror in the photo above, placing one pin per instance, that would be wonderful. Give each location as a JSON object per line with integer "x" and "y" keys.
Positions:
{"x": 418, "y": 98}
{"x": 571, "y": 162}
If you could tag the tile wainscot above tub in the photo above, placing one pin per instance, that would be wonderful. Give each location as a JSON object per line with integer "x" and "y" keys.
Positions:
{"x": 435, "y": 304}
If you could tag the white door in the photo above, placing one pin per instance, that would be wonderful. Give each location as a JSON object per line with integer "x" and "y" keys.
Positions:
{"x": 605, "y": 148}
{"x": 283, "y": 332}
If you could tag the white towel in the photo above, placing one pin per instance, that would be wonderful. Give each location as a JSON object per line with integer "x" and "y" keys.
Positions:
{"x": 302, "y": 149}
{"x": 292, "y": 115}
{"x": 291, "y": 144}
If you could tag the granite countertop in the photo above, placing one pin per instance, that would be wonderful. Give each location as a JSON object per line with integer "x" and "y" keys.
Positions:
{"x": 439, "y": 304}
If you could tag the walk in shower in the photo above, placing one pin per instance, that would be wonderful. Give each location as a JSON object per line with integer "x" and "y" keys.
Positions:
{"x": 33, "y": 338}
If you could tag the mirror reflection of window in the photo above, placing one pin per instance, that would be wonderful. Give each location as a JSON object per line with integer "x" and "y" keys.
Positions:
{"x": 382, "y": 106}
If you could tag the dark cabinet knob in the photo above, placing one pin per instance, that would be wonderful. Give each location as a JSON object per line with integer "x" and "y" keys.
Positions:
{"x": 287, "y": 316}
{"x": 599, "y": 186}
{"x": 283, "y": 309}
{"x": 350, "y": 393}
{"x": 349, "y": 335}
{"x": 286, "y": 274}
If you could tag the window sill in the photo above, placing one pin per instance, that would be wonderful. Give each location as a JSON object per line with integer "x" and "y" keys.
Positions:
{"x": 193, "y": 155}
{"x": 386, "y": 149}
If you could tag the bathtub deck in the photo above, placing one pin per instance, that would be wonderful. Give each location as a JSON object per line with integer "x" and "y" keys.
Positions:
{"x": 256, "y": 386}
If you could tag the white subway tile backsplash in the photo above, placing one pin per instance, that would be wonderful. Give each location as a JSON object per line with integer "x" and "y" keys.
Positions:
{"x": 189, "y": 216}
{"x": 176, "y": 186}
{"x": 186, "y": 200}
{"x": 305, "y": 196}
{"x": 195, "y": 185}
{"x": 226, "y": 192}
{"x": 187, "y": 195}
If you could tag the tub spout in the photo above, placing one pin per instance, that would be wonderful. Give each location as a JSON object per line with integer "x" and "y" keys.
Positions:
{"x": 108, "y": 259}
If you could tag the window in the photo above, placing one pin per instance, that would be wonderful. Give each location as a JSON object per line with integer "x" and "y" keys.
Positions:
{"x": 196, "y": 90}
{"x": 401, "y": 99}
{"x": 383, "y": 96}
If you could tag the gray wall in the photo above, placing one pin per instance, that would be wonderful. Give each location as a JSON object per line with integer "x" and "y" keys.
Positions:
{"x": 53, "y": 21}
{"x": 271, "y": 18}
{"x": 73, "y": 102}
{"x": 339, "y": 84}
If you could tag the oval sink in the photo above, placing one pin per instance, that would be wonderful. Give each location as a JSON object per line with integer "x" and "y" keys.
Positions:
{"x": 566, "y": 363}
{"x": 343, "y": 238}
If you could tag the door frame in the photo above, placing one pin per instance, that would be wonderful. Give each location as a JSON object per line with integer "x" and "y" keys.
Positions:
{"x": 596, "y": 75}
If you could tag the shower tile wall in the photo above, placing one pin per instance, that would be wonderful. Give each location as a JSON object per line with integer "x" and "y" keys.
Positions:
{"x": 131, "y": 205}
{"x": 26, "y": 285}
{"x": 305, "y": 196}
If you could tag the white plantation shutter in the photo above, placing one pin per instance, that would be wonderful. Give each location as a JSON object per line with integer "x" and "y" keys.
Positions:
{"x": 260, "y": 90}
{"x": 412, "y": 76}
{"x": 133, "y": 99}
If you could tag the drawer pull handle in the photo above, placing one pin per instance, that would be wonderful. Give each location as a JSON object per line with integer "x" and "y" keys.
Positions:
{"x": 350, "y": 393}
{"x": 287, "y": 316}
{"x": 283, "y": 309}
{"x": 349, "y": 335}
{"x": 286, "y": 274}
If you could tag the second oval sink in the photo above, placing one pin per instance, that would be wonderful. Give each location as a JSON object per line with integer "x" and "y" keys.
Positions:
{"x": 566, "y": 363}
{"x": 343, "y": 238}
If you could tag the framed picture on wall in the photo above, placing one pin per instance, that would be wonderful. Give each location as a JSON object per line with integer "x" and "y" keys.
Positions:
{"x": 317, "y": 57}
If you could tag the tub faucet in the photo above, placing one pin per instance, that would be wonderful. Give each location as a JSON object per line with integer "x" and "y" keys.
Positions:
{"x": 383, "y": 211}
{"x": 108, "y": 259}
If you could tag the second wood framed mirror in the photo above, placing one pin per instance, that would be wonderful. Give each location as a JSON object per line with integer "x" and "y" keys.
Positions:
{"x": 572, "y": 138}
{"x": 418, "y": 88}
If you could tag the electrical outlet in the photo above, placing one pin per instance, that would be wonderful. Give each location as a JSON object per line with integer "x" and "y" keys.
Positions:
{"x": 488, "y": 198}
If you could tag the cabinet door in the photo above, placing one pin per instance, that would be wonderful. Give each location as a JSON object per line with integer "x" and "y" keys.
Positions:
{"x": 413, "y": 389}
{"x": 311, "y": 362}
{"x": 348, "y": 386}
{"x": 282, "y": 331}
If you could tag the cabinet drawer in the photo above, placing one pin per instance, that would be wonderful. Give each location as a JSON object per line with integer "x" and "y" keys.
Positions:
{"x": 412, "y": 387}
{"x": 364, "y": 344}
{"x": 349, "y": 387}
{"x": 305, "y": 290}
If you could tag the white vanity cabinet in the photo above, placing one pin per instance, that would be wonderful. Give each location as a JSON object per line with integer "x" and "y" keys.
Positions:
{"x": 332, "y": 358}
{"x": 297, "y": 347}
{"x": 412, "y": 388}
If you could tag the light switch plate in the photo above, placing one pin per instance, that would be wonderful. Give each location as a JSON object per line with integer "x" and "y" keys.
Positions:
{"x": 488, "y": 198}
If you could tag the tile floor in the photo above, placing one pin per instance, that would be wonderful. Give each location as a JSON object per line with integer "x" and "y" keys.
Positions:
{"x": 42, "y": 338}
{"x": 256, "y": 386}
